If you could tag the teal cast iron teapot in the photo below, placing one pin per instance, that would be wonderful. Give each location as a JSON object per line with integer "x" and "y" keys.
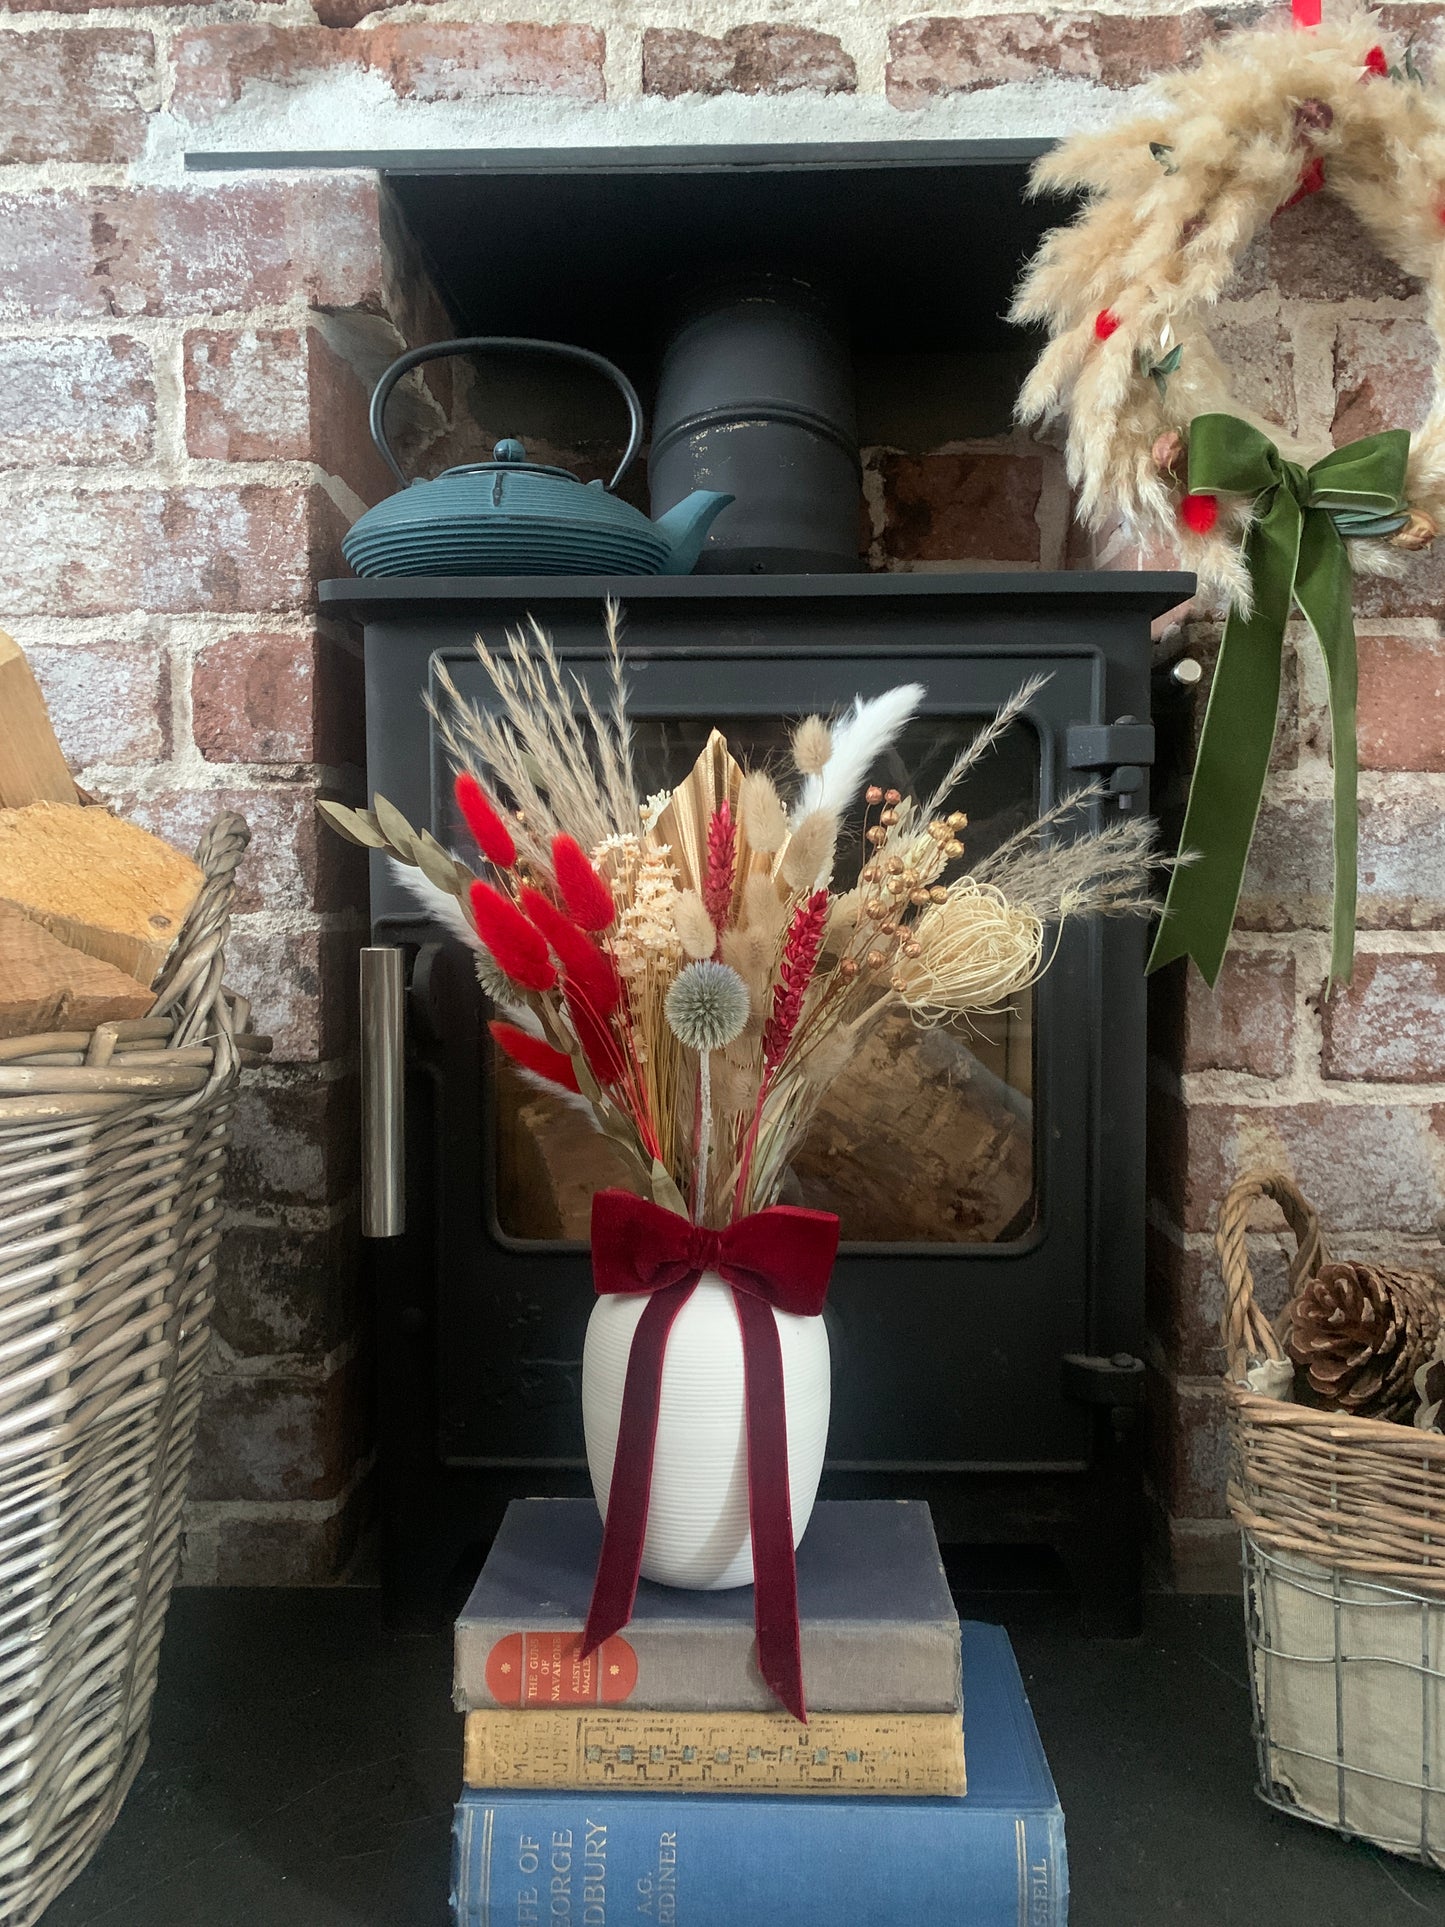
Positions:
{"x": 510, "y": 516}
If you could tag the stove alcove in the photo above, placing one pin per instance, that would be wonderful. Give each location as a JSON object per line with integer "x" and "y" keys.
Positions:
{"x": 987, "y": 1308}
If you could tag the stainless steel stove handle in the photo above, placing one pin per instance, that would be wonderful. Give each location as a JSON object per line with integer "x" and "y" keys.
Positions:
{"x": 383, "y": 1091}
{"x": 465, "y": 344}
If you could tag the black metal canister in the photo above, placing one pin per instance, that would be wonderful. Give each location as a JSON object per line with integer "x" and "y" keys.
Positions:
{"x": 755, "y": 398}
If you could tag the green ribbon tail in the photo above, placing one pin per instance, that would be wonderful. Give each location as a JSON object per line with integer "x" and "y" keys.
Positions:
{"x": 1233, "y": 758}
{"x": 1324, "y": 589}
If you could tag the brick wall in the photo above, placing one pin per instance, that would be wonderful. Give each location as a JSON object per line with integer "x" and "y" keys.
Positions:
{"x": 183, "y": 368}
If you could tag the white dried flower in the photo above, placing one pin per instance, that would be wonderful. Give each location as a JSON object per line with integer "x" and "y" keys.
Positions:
{"x": 706, "y": 1006}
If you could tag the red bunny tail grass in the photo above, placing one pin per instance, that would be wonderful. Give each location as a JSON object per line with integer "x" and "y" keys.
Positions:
{"x": 519, "y": 948}
{"x": 535, "y": 1054}
{"x": 583, "y": 962}
{"x": 795, "y": 973}
{"x": 492, "y": 836}
{"x": 584, "y": 892}
{"x": 722, "y": 858}
{"x": 601, "y": 1049}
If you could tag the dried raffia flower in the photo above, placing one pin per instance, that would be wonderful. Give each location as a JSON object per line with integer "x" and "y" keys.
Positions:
{"x": 760, "y": 809}
{"x": 812, "y": 745}
{"x": 807, "y": 862}
{"x": 973, "y": 950}
{"x": 693, "y": 925}
{"x": 707, "y": 1006}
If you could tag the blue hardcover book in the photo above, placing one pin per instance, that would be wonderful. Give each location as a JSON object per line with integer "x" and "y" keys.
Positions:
{"x": 993, "y": 1858}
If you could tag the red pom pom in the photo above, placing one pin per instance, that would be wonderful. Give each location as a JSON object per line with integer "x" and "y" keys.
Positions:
{"x": 519, "y": 947}
{"x": 535, "y": 1054}
{"x": 493, "y": 838}
{"x": 1199, "y": 513}
{"x": 584, "y": 892}
{"x": 1376, "y": 63}
{"x": 586, "y": 966}
{"x": 1106, "y": 323}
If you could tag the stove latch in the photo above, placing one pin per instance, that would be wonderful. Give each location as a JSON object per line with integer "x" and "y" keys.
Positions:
{"x": 1119, "y": 751}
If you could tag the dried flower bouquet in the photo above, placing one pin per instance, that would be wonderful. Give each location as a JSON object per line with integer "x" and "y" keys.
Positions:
{"x": 687, "y": 967}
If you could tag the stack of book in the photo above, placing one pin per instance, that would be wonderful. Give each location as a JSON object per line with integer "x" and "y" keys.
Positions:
{"x": 658, "y": 1779}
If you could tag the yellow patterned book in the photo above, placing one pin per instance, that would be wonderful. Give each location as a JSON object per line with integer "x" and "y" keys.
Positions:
{"x": 582, "y": 1747}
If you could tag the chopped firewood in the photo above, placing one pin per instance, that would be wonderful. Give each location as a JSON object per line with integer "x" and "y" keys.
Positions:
{"x": 45, "y": 985}
{"x": 32, "y": 768}
{"x": 98, "y": 883}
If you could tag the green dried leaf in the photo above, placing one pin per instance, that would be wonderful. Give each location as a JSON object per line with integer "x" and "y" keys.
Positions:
{"x": 1164, "y": 154}
{"x": 1367, "y": 525}
{"x": 357, "y": 826}
{"x": 664, "y": 1192}
{"x": 400, "y": 836}
{"x": 437, "y": 864}
{"x": 1171, "y": 361}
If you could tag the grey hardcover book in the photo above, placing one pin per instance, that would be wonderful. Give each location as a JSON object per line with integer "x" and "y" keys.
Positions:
{"x": 880, "y": 1633}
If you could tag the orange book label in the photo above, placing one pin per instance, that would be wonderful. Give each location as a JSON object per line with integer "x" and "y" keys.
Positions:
{"x": 547, "y": 1669}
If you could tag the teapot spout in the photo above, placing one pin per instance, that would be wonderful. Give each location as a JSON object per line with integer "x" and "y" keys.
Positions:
{"x": 686, "y": 525}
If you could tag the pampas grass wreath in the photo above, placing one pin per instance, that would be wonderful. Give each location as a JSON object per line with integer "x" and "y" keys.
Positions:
{"x": 1174, "y": 196}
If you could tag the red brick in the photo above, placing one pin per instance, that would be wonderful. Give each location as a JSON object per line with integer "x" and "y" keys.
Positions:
{"x": 276, "y": 698}
{"x": 1388, "y": 1024}
{"x": 960, "y": 507}
{"x": 762, "y": 57}
{"x": 1318, "y": 251}
{"x": 1188, "y": 1444}
{"x": 281, "y": 1288}
{"x": 457, "y": 61}
{"x": 103, "y": 6}
{"x": 289, "y": 866}
{"x": 1259, "y": 355}
{"x": 295, "y": 1140}
{"x": 1402, "y": 702}
{"x": 77, "y": 96}
{"x": 76, "y": 399}
{"x": 339, "y": 388}
{"x": 1419, "y": 26}
{"x": 1419, "y": 590}
{"x": 309, "y": 1550}
{"x": 931, "y": 58}
{"x": 1401, "y": 863}
{"x": 93, "y": 552}
{"x": 109, "y": 701}
{"x": 1246, "y": 1023}
{"x": 278, "y": 1438}
{"x": 1383, "y": 375}
{"x": 48, "y": 258}
{"x": 246, "y": 395}
{"x": 1379, "y": 1166}
{"x": 301, "y": 985}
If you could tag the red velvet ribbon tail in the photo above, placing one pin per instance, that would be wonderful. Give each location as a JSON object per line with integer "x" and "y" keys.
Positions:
{"x": 615, "y": 1588}
{"x": 770, "y": 1506}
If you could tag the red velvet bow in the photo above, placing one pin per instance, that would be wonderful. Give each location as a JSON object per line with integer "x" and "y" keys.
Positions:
{"x": 781, "y": 1257}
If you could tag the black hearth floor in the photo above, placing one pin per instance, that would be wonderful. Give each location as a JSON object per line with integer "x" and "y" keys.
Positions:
{"x": 305, "y": 1756}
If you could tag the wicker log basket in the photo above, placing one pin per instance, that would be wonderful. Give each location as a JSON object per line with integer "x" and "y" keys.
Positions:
{"x": 112, "y": 1148}
{"x": 1344, "y": 1553}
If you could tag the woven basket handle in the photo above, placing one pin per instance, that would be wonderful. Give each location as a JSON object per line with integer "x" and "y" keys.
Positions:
{"x": 189, "y": 990}
{"x": 1248, "y": 1334}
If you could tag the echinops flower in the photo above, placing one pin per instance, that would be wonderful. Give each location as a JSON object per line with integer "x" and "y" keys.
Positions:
{"x": 706, "y": 1006}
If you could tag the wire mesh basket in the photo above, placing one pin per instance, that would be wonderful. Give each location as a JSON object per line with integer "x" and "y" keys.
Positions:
{"x": 112, "y": 1150}
{"x": 1344, "y": 1567}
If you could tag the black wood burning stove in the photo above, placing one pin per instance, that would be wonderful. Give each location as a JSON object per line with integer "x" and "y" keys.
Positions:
{"x": 987, "y": 1308}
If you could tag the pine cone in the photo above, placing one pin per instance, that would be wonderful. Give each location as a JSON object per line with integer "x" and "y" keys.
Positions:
{"x": 1361, "y": 1332}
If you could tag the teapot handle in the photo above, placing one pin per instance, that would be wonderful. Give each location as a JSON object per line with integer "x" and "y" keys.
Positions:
{"x": 415, "y": 356}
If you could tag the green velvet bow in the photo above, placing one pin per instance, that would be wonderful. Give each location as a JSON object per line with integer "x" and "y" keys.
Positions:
{"x": 1295, "y": 553}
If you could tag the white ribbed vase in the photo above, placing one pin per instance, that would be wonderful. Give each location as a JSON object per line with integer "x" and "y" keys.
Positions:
{"x": 697, "y": 1519}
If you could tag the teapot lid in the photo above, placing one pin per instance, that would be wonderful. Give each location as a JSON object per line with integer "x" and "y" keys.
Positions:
{"x": 509, "y": 457}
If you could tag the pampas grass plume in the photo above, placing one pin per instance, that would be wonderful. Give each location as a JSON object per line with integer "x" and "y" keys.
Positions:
{"x": 808, "y": 859}
{"x": 693, "y": 925}
{"x": 764, "y": 820}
